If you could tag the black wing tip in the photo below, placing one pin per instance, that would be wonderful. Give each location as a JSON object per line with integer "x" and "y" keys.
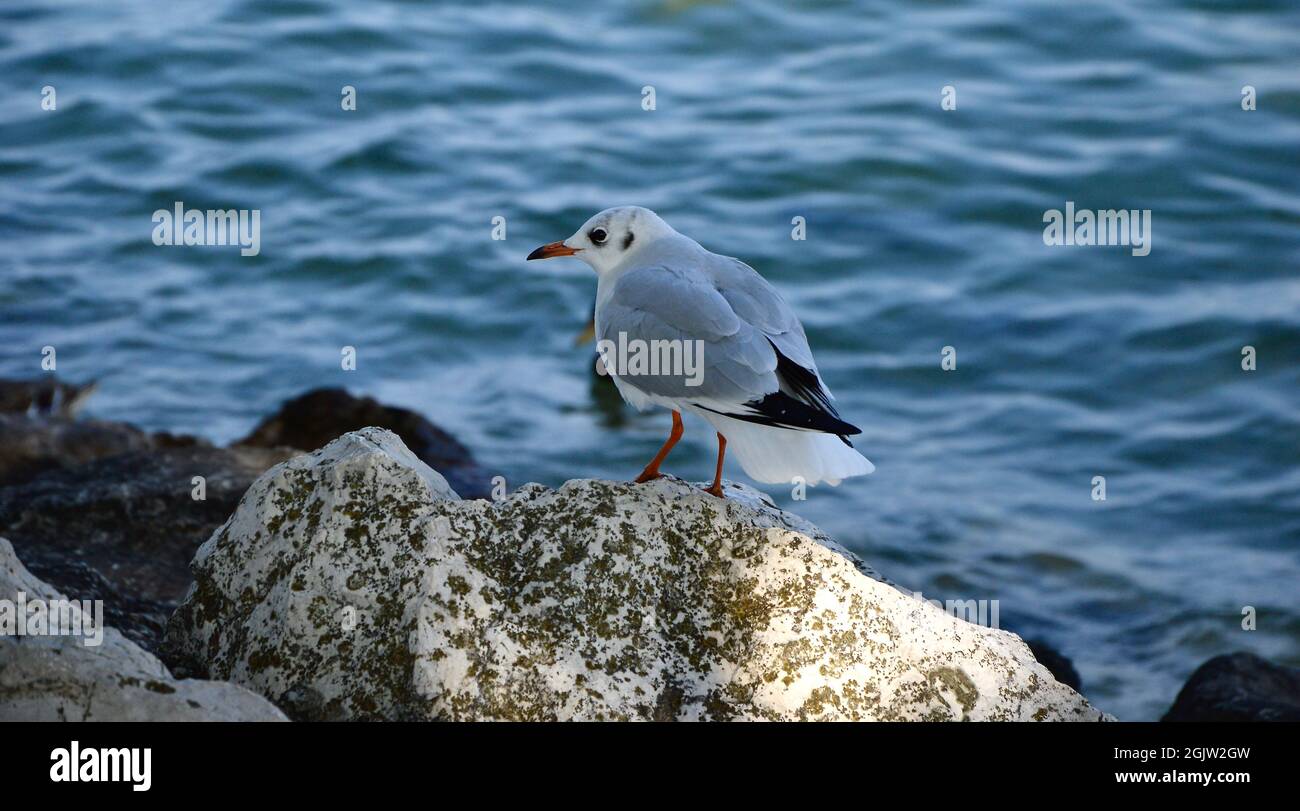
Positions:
{"x": 780, "y": 410}
{"x": 811, "y": 395}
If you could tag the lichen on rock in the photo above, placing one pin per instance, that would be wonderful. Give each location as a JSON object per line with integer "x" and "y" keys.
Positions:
{"x": 353, "y": 583}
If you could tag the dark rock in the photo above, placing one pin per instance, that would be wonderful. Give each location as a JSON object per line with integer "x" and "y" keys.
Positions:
{"x": 30, "y": 446}
{"x": 1056, "y": 663}
{"x": 43, "y": 396}
{"x": 131, "y": 519}
{"x": 103, "y": 510}
{"x": 1239, "y": 687}
{"x": 317, "y": 418}
{"x": 140, "y": 620}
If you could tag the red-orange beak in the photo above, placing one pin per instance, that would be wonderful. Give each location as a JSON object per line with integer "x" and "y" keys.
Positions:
{"x": 552, "y": 249}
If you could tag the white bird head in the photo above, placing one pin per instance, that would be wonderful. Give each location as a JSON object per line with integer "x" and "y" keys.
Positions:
{"x": 606, "y": 240}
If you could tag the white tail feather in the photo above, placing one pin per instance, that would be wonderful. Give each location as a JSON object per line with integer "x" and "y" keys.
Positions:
{"x": 778, "y": 455}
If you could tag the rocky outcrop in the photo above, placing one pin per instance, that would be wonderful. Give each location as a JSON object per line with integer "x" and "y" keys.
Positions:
{"x": 1239, "y": 687}
{"x": 108, "y": 510}
{"x": 132, "y": 517}
{"x": 316, "y": 418}
{"x": 354, "y": 583}
{"x": 31, "y": 446}
{"x": 140, "y": 619}
{"x": 52, "y": 677}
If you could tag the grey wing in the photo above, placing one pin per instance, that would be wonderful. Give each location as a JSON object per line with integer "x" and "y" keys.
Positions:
{"x": 756, "y": 301}
{"x": 749, "y": 347}
{"x": 724, "y": 359}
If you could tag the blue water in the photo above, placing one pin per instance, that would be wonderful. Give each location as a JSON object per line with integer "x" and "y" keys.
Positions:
{"x": 924, "y": 230}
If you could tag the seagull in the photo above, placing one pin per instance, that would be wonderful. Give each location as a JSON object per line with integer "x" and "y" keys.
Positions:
{"x": 758, "y": 386}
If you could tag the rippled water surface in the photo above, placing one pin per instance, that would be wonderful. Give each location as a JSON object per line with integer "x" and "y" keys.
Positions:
{"x": 924, "y": 230}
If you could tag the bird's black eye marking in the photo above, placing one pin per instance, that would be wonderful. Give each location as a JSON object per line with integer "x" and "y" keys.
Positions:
{"x": 598, "y": 235}
{"x": 627, "y": 240}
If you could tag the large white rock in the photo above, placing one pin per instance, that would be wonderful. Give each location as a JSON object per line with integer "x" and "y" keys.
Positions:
{"x": 59, "y": 678}
{"x": 353, "y": 583}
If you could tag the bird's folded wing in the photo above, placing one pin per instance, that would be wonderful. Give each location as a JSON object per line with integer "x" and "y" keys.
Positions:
{"x": 754, "y": 300}
{"x": 756, "y": 362}
{"x": 757, "y": 302}
{"x": 662, "y": 303}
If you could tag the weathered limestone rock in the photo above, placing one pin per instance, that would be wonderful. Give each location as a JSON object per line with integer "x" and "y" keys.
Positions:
{"x": 59, "y": 678}
{"x": 353, "y": 583}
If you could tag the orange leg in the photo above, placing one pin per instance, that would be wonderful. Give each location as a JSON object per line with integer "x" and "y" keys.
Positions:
{"x": 651, "y": 471}
{"x": 716, "y": 489}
